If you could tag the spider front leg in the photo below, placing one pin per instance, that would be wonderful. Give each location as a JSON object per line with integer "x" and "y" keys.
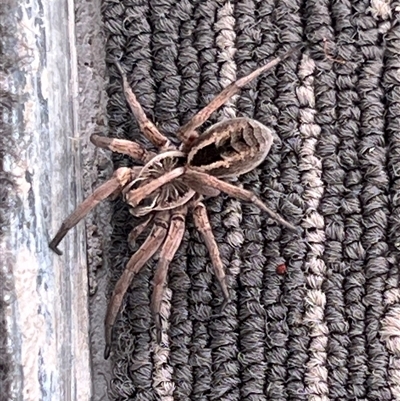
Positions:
{"x": 149, "y": 130}
{"x": 137, "y": 230}
{"x": 187, "y": 133}
{"x": 129, "y": 148}
{"x": 119, "y": 179}
{"x": 202, "y": 223}
{"x": 168, "y": 250}
{"x": 238, "y": 193}
{"x": 136, "y": 262}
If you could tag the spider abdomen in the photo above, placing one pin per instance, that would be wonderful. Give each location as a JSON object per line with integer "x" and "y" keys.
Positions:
{"x": 230, "y": 148}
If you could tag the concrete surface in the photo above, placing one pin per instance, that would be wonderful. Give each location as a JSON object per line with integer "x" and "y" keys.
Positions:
{"x": 44, "y": 296}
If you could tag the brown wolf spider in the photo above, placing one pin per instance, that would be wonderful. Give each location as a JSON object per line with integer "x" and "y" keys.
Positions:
{"x": 175, "y": 181}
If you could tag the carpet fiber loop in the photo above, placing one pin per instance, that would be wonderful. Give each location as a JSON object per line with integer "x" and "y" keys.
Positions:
{"x": 328, "y": 329}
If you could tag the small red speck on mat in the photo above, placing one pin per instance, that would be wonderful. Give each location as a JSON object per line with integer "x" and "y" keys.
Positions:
{"x": 281, "y": 269}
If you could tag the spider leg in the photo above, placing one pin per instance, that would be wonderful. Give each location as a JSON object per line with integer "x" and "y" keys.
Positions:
{"x": 187, "y": 133}
{"x": 136, "y": 262}
{"x": 200, "y": 188}
{"x": 202, "y": 223}
{"x": 136, "y": 231}
{"x": 239, "y": 193}
{"x": 146, "y": 126}
{"x": 135, "y": 196}
{"x": 168, "y": 250}
{"x": 130, "y": 148}
{"x": 135, "y": 172}
{"x": 115, "y": 183}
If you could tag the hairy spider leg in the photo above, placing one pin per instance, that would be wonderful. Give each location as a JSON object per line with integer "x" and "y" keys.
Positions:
{"x": 120, "y": 178}
{"x": 187, "y": 133}
{"x": 135, "y": 196}
{"x": 149, "y": 130}
{"x": 129, "y": 148}
{"x": 168, "y": 250}
{"x": 136, "y": 262}
{"x": 202, "y": 223}
{"x": 137, "y": 230}
{"x": 200, "y": 188}
{"x": 239, "y": 193}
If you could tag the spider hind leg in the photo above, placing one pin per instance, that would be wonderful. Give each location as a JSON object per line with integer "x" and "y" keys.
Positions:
{"x": 239, "y": 193}
{"x": 187, "y": 133}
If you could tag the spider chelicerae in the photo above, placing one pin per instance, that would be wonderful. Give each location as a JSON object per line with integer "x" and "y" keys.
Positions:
{"x": 174, "y": 182}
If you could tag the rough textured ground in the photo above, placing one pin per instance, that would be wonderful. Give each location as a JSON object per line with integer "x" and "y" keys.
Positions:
{"x": 8, "y": 59}
{"x": 329, "y": 329}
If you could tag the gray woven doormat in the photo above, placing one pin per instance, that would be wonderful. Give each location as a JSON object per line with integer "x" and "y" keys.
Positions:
{"x": 330, "y": 328}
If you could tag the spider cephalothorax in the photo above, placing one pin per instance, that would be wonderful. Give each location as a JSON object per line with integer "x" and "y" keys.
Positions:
{"x": 175, "y": 181}
{"x": 168, "y": 165}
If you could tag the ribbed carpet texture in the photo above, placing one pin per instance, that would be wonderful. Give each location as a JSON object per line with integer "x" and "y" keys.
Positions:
{"x": 328, "y": 329}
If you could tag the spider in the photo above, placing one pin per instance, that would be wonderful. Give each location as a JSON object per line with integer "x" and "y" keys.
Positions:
{"x": 175, "y": 181}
